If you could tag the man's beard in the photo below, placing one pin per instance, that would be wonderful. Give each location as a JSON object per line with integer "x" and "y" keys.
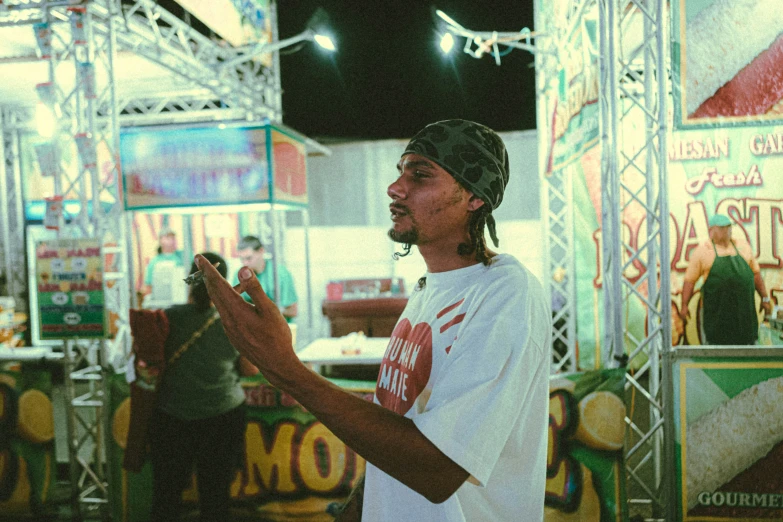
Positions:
{"x": 408, "y": 237}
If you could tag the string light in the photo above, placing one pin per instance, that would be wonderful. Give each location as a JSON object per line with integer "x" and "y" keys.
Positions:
{"x": 478, "y": 43}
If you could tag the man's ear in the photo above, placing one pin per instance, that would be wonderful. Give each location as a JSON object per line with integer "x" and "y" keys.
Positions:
{"x": 475, "y": 203}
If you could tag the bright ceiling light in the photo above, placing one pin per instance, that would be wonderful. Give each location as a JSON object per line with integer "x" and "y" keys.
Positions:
{"x": 45, "y": 121}
{"x": 324, "y": 41}
{"x": 478, "y": 43}
{"x": 446, "y": 43}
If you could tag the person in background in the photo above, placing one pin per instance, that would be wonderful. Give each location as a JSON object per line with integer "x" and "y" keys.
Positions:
{"x": 199, "y": 417}
{"x": 731, "y": 278}
{"x": 458, "y": 427}
{"x": 251, "y": 254}
{"x": 167, "y": 253}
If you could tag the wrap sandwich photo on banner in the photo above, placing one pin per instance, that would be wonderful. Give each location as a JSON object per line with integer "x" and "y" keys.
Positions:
{"x": 729, "y": 439}
{"x": 728, "y": 55}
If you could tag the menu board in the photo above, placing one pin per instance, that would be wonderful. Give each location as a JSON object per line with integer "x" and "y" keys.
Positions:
{"x": 165, "y": 168}
{"x": 69, "y": 280}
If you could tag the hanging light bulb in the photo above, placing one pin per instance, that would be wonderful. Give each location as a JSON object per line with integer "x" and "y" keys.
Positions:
{"x": 446, "y": 43}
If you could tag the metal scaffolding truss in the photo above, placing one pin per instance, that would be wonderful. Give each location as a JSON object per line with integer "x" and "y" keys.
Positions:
{"x": 633, "y": 102}
{"x": 177, "y": 108}
{"x": 151, "y": 31}
{"x": 633, "y": 111}
{"x": 12, "y": 210}
{"x": 247, "y": 90}
{"x": 557, "y": 211}
{"x": 91, "y": 107}
{"x": 558, "y": 217}
{"x": 82, "y": 53}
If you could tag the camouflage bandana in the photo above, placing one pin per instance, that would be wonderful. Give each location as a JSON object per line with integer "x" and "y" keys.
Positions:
{"x": 472, "y": 153}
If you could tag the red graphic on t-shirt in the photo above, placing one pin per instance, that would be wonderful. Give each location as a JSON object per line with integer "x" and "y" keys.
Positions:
{"x": 406, "y": 366}
{"x": 450, "y": 308}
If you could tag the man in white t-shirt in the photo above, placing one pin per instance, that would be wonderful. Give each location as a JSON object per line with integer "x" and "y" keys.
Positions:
{"x": 458, "y": 427}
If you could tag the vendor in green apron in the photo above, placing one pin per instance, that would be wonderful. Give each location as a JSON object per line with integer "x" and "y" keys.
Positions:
{"x": 731, "y": 278}
{"x": 252, "y": 254}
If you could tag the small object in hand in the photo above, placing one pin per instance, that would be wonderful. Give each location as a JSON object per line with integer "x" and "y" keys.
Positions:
{"x": 197, "y": 277}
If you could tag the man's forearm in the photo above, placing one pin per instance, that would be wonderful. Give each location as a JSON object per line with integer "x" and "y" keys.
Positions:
{"x": 387, "y": 440}
{"x": 758, "y": 282}
{"x": 687, "y": 293}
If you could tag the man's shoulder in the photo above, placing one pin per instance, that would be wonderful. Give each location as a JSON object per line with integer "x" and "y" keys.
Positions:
{"x": 702, "y": 250}
{"x": 269, "y": 269}
{"x": 744, "y": 248}
{"x": 174, "y": 256}
{"x": 505, "y": 269}
{"x": 180, "y": 311}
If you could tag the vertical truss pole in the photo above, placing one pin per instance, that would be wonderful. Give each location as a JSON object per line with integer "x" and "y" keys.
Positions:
{"x": 610, "y": 198}
{"x": 668, "y": 483}
{"x": 275, "y": 98}
{"x": 14, "y": 267}
{"x": 634, "y": 188}
{"x": 72, "y": 417}
{"x": 89, "y": 113}
{"x": 653, "y": 226}
{"x": 5, "y": 227}
{"x": 557, "y": 213}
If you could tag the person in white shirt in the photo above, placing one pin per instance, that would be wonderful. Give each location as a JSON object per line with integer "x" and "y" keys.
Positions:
{"x": 458, "y": 428}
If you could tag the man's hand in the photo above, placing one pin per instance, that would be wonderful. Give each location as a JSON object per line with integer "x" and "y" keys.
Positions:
{"x": 684, "y": 314}
{"x": 767, "y": 307}
{"x": 258, "y": 331}
{"x": 261, "y": 334}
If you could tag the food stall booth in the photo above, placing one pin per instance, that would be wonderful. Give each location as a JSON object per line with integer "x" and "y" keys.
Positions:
{"x": 82, "y": 71}
{"x": 191, "y": 175}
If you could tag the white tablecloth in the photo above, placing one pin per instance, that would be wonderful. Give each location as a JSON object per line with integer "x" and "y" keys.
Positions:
{"x": 350, "y": 349}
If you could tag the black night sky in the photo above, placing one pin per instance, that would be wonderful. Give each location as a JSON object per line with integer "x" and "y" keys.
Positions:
{"x": 389, "y": 78}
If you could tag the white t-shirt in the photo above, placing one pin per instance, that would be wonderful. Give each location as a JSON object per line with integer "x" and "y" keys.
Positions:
{"x": 469, "y": 362}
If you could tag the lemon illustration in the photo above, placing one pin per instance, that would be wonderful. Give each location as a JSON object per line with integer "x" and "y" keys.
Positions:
{"x": 120, "y": 423}
{"x": 36, "y": 417}
{"x": 601, "y": 421}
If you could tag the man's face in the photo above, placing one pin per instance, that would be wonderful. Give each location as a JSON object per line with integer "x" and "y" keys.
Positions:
{"x": 427, "y": 203}
{"x": 168, "y": 243}
{"x": 721, "y": 234}
{"x": 253, "y": 259}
